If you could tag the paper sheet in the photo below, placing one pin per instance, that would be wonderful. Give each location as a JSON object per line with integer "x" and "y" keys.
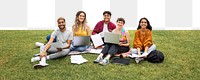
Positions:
{"x": 135, "y": 55}
{"x": 97, "y": 41}
{"x": 77, "y": 59}
{"x": 96, "y": 51}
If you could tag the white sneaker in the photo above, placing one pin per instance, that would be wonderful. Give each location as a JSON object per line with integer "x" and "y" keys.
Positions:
{"x": 38, "y": 66}
{"x": 41, "y": 64}
{"x": 137, "y": 60}
{"x": 99, "y": 59}
{"x": 35, "y": 59}
{"x": 38, "y": 44}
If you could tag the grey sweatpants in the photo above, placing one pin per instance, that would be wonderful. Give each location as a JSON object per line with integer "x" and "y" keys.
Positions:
{"x": 53, "y": 53}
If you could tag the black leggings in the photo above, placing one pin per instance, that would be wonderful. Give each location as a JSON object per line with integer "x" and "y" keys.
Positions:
{"x": 113, "y": 49}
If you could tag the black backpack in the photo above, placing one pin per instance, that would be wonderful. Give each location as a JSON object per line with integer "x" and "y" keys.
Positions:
{"x": 122, "y": 61}
{"x": 155, "y": 57}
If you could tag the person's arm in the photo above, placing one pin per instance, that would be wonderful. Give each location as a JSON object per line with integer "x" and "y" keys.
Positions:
{"x": 148, "y": 41}
{"x": 136, "y": 43}
{"x": 128, "y": 39}
{"x": 95, "y": 30}
{"x": 68, "y": 44}
{"x": 73, "y": 30}
{"x": 138, "y": 50}
{"x": 69, "y": 40}
{"x": 88, "y": 30}
{"x": 111, "y": 26}
{"x": 146, "y": 49}
{"x": 43, "y": 54}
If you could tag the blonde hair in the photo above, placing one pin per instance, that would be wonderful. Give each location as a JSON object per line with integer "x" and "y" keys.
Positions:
{"x": 77, "y": 22}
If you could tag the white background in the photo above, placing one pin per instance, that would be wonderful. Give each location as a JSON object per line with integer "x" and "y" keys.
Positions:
{"x": 41, "y": 14}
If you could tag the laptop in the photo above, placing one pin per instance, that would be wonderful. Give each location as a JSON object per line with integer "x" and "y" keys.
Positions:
{"x": 81, "y": 40}
{"x": 111, "y": 38}
{"x": 58, "y": 44}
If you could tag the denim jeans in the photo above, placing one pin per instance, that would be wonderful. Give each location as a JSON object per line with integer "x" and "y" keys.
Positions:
{"x": 152, "y": 48}
{"x": 78, "y": 48}
{"x": 48, "y": 38}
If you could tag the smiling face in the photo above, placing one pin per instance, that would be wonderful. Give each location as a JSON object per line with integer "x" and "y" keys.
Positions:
{"x": 81, "y": 17}
{"x": 61, "y": 24}
{"x": 106, "y": 17}
{"x": 120, "y": 24}
{"x": 143, "y": 24}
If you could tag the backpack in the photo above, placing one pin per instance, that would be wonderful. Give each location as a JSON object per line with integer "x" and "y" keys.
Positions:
{"x": 122, "y": 61}
{"x": 155, "y": 57}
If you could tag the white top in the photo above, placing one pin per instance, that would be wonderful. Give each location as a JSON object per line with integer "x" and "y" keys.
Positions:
{"x": 105, "y": 29}
{"x": 62, "y": 36}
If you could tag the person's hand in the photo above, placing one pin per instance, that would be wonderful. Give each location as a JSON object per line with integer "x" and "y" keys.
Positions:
{"x": 43, "y": 54}
{"x": 120, "y": 44}
{"x": 145, "y": 54}
{"x": 59, "y": 49}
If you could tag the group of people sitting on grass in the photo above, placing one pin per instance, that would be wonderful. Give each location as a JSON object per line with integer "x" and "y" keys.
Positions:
{"x": 142, "y": 43}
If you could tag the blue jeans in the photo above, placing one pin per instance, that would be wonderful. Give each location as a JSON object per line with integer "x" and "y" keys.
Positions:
{"x": 78, "y": 48}
{"x": 48, "y": 38}
{"x": 152, "y": 48}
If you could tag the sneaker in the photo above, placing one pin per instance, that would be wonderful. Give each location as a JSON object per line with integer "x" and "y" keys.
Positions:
{"x": 104, "y": 62}
{"x": 98, "y": 60}
{"x": 38, "y": 44}
{"x": 36, "y": 55}
{"x": 39, "y": 66}
{"x": 137, "y": 60}
{"x": 35, "y": 59}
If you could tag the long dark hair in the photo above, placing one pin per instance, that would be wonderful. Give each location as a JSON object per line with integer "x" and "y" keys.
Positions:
{"x": 148, "y": 24}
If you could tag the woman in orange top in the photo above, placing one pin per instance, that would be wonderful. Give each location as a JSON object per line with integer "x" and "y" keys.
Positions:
{"x": 80, "y": 28}
{"x": 142, "y": 44}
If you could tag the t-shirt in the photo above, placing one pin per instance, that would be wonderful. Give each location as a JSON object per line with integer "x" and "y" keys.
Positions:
{"x": 105, "y": 29}
{"x": 80, "y": 32}
{"x": 62, "y": 36}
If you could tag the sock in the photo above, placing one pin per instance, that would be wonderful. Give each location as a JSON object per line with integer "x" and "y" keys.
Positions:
{"x": 100, "y": 56}
{"x": 43, "y": 61}
{"x": 108, "y": 57}
{"x": 37, "y": 58}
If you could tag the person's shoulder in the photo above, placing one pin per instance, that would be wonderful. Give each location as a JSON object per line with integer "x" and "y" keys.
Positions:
{"x": 56, "y": 30}
{"x": 100, "y": 22}
{"x": 67, "y": 30}
{"x": 137, "y": 31}
{"x": 148, "y": 31}
{"x": 112, "y": 23}
{"x": 126, "y": 31}
{"x": 113, "y": 30}
{"x": 87, "y": 26}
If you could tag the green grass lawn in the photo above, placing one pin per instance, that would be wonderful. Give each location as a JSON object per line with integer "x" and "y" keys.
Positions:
{"x": 181, "y": 50}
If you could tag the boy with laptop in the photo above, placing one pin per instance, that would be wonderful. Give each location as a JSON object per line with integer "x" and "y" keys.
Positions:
{"x": 55, "y": 50}
{"x": 104, "y": 26}
{"x": 110, "y": 49}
